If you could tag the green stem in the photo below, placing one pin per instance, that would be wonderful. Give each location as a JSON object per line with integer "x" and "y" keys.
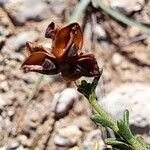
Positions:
{"x": 120, "y": 127}
{"x": 99, "y": 109}
{"x": 136, "y": 145}
{"x": 115, "y": 14}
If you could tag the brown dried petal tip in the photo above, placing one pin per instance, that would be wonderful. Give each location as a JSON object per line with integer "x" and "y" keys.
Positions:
{"x": 40, "y": 62}
{"x": 51, "y": 30}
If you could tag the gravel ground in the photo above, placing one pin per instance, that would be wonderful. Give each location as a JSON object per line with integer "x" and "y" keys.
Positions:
{"x": 58, "y": 116}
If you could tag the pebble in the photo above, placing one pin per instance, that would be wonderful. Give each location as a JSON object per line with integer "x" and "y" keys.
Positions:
{"x": 99, "y": 31}
{"x": 68, "y": 136}
{"x": 23, "y": 10}
{"x": 62, "y": 102}
{"x": 8, "y": 98}
{"x": 4, "y": 32}
{"x": 4, "y": 115}
{"x": 11, "y": 113}
{"x": 24, "y": 140}
{"x": 16, "y": 42}
{"x": 133, "y": 32}
{"x": 86, "y": 124}
{"x": 13, "y": 145}
{"x": 61, "y": 141}
{"x": 18, "y": 57}
{"x": 91, "y": 138}
{"x": 4, "y": 86}
{"x": 127, "y": 6}
{"x": 6, "y": 124}
{"x": 135, "y": 97}
{"x": 2, "y": 42}
{"x": 2, "y": 77}
{"x": 2, "y": 102}
{"x": 116, "y": 59}
{"x": 79, "y": 108}
{"x": 3, "y": 2}
{"x": 54, "y": 6}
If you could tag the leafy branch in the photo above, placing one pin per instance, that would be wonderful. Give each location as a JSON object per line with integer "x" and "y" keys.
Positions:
{"x": 126, "y": 140}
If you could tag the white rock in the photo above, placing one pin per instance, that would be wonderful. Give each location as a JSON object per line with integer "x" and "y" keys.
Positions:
{"x": 21, "y": 138}
{"x": 68, "y": 136}
{"x": 63, "y": 101}
{"x": 13, "y": 144}
{"x": 10, "y": 113}
{"x": 86, "y": 124}
{"x": 4, "y": 86}
{"x": 4, "y": 32}
{"x": 61, "y": 141}
{"x": 99, "y": 31}
{"x": 54, "y": 6}
{"x": 3, "y": 148}
{"x": 22, "y": 10}
{"x": 2, "y": 102}
{"x": 18, "y": 41}
{"x": 116, "y": 59}
{"x": 91, "y": 138}
{"x": 7, "y": 98}
{"x": 134, "y": 97}
{"x": 2, "y": 77}
{"x": 128, "y": 5}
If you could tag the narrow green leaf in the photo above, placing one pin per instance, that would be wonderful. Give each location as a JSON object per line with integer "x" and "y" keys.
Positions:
{"x": 125, "y": 131}
{"x": 99, "y": 120}
{"x": 117, "y": 143}
{"x": 126, "y": 117}
{"x": 140, "y": 139}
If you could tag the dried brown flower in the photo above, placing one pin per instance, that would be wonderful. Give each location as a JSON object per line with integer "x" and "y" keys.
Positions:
{"x": 64, "y": 57}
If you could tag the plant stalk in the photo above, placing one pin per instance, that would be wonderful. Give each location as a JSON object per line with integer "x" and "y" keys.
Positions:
{"x": 99, "y": 109}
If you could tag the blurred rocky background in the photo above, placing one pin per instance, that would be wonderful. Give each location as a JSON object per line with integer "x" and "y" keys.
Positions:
{"x": 58, "y": 116}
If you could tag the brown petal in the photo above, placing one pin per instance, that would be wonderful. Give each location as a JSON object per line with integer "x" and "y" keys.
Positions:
{"x": 88, "y": 66}
{"x": 71, "y": 77}
{"x": 77, "y": 66}
{"x": 52, "y": 30}
{"x": 65, "y": 37}
{"x": 33, "y": 47}
{"x": 78, "y": 38}
{"x": 70, "y": 72}
{"x": 41, "y": 62}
